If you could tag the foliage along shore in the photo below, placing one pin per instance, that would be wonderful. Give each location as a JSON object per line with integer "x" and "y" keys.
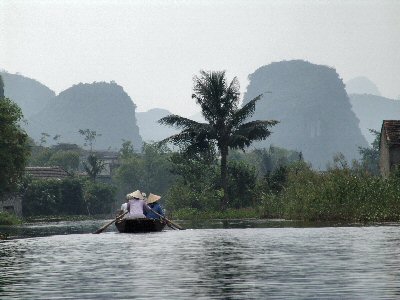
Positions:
{"x": 264, "y": 184}
{"x": 200, "y": 182}
{"x": 9, "y": 219}
{"x": 337, "y": 195}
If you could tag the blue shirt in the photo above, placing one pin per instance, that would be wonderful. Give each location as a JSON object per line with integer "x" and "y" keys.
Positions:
{"x": 157, "y": 208}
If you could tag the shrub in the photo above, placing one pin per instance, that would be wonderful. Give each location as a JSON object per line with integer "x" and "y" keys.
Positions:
{"x": 182, "y": 196}
{"x": 99, "y": 197}
{"x": 195, "y": 214}
{"x": 336, "y": 195}
{"x": 8, "y": 219}
{"x": 70, "y": 196}
{"x": 242, "y": 180}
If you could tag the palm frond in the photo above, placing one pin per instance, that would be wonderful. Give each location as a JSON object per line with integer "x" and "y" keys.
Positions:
{"x": 213, "y": 94}
{"x": 178, "y": 139}
{"x": 194, "y": 134}
{"x": 232, "y": 93}
{"x": 249, "y": 132}
{"x": 179, "y": 122}
{"x": 243, "y": 113}
{"x": 201, "y": 146}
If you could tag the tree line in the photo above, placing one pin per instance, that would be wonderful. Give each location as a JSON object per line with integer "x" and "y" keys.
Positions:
{"x": 211, "y": 168}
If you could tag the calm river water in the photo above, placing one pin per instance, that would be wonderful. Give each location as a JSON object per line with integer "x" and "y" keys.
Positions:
{"x": 217, "y": 260}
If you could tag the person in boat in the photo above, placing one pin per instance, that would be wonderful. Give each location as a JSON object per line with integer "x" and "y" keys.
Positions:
{"x": 136, "y": 206}
{"x": 124, "y": 206}
{"x": 152, "y": 202}
{"x": 144, "y": 197}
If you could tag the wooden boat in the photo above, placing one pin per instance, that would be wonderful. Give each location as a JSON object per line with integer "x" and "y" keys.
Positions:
{"x": 139, "y": 225}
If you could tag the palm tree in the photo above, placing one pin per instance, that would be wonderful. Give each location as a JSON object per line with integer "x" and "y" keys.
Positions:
{"x": 225, "y": 127}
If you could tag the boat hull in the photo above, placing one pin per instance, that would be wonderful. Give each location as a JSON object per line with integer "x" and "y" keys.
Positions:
{"x": 139, "y": 225}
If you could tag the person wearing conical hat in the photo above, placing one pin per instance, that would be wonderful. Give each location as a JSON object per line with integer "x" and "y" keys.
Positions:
{"x": 124, "y": 206}
{"x": 144, "y": 197}
{"x": 136, "y": 206}
{"x": 152, "y": 202}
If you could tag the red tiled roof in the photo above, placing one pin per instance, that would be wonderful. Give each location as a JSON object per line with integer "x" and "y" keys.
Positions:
{"x": 47, "y": 172}
{"x": 392, "y": 131}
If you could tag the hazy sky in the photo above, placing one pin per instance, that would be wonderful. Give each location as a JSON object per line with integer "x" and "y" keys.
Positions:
{"x": 153, "y": 48}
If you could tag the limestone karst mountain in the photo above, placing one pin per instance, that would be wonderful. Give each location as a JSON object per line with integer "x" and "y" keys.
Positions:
{"x": 362, "y": 85}
{"x": 313, "y": 108}
{"x": 102, "y": 107}
{"x": 372, "y": 110}
{"x": 150, "y": 129}
{"x": 29, "y": 94}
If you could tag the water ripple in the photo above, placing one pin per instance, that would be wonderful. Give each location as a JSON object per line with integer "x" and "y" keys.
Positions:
{"x": 252, "y": 263}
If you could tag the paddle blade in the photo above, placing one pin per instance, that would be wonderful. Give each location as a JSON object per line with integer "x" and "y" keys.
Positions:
{"x": 100, "y": 230}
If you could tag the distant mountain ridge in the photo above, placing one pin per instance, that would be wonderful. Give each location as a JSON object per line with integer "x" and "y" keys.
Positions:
{"x": 103, "y": 107}
{"x": 313, "y": 108}
{"x": 30, "y": 95}
{"x": 106, "y": 108}
{"x": 150, "y": 129}
{"x": 362, "y": 85}
{"x": 372, "y": 110}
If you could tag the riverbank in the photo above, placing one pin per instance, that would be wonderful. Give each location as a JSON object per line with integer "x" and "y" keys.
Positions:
{"x": 12, "y": 221}
{"x": 9, "y": 219}
{"x": 62, "y": 218}
{"x": 340, "y": 195}
{"x": 271, "y": 207}
{"x": 194, "y": 214}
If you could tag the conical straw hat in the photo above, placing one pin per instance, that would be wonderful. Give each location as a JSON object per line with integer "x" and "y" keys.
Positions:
{"x": 136, "y": 194}
{"x": 153, "y": 198}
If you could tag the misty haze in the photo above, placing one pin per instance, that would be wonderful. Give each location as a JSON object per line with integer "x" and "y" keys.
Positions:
{"x": 199, "y": 149}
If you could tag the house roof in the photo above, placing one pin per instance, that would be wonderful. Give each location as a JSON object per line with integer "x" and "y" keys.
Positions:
{"x": 391, "y": 129}
{"x": 47, "y": 172}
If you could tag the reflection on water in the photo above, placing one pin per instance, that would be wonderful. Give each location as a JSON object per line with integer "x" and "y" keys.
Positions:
{"x": 271, "y": 262}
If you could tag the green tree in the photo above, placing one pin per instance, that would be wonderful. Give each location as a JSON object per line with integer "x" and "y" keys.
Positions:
{"x": 99, "y": 197}
{"x": 53, "y": 197}
{"x": 196, "y": 185}
{"x": 266, "y": 160}
{"x": 148, "y": 171}
{"x": 64, "y": 155}
{"x": 14, "y": 149}
{"x": 129, "y": 173}
{"x": 370, "y": 155}
{"x": 242, "y": 179}
{"x": 89, "y": 137}
{"x": 276, "y": 180}
{"x": 57, "y": 137}
{"x": 40, "y": 156}
{"x": 225, "y": 128}
{"x": 126, "y": 150}
{"x": 93, "y": 166}
{"x": 68, "y": 160}
{"x": 43, "y": 138}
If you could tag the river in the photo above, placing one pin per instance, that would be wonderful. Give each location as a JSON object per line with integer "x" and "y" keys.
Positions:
{"x": 213, "y": 260}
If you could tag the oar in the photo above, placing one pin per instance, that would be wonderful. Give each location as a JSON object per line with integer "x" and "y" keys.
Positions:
{"x": 100, "y": 230}
{"x": 167, "y": 221}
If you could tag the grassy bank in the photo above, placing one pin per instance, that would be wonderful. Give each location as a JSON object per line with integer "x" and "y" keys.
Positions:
{"x": 9, "y": 219}
{"x": 194, "y": 214}
{"x": 335, "y": 195}
{"x": 50, "y": 219}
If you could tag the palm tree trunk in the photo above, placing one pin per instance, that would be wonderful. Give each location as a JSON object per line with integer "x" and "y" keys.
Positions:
{"x": 224, "y": 178}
